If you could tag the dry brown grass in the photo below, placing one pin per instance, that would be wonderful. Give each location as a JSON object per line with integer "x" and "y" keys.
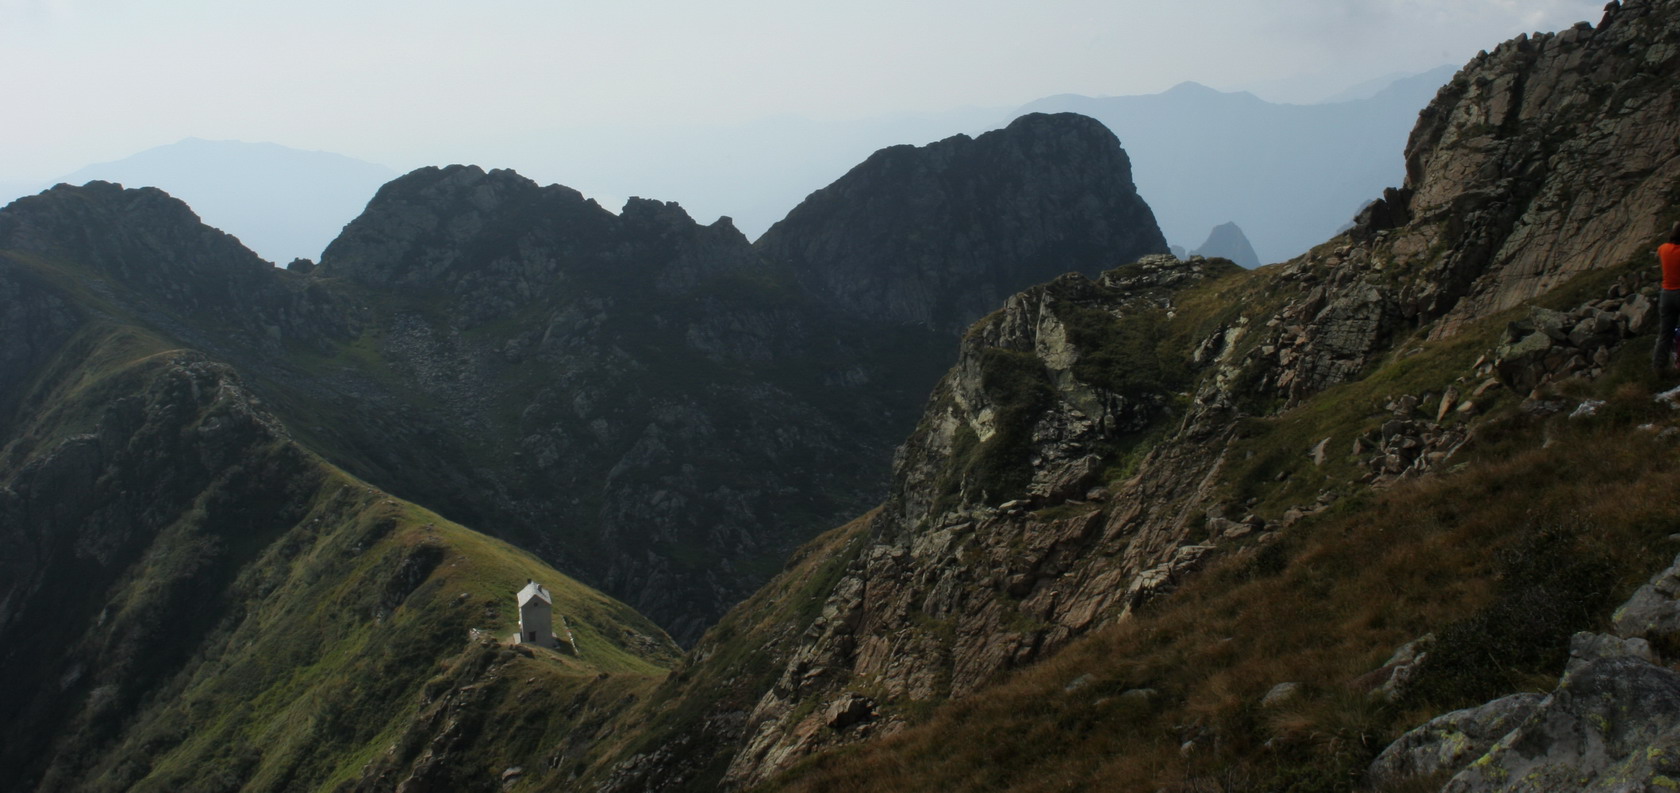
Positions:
{"x": 1321, "y": 606}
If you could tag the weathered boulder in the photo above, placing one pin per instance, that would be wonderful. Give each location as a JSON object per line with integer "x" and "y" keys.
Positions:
{"x": 1654, "y": 609}
{"x": 1451, "y": 741}
{"x": 1613, "y": 725}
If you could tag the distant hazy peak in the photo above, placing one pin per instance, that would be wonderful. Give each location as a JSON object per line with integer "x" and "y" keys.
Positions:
{"x": 1227, "y": 241}
{"x": 282, "y": 202}
{"x": 1190, "y": 87}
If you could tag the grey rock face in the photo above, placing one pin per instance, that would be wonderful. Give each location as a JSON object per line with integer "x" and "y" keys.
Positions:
{"x": 1614, "y": 724}
{"x": 1654, "y": 609}
{"x": 938, "y": 236}
{"x": 1524, "y": 171}
{"x": 1022, "y": 422}
{"x": 1451, "y": 741}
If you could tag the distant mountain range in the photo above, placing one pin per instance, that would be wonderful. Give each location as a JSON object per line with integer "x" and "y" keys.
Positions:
{"x": 1289, "y": 175}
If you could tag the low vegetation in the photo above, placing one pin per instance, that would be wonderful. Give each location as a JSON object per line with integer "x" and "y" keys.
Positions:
{"x": 1537, "y": 529}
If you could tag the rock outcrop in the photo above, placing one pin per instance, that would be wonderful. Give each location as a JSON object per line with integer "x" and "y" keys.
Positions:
{"x": 1548, "y": 156}
{"x": 939, "y": 235}
{"x": 990, "y": 551}
{"x": 1611, "y": 723}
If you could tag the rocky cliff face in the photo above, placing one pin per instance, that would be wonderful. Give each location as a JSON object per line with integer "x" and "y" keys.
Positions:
{"x": 938, "y": 236}
{"x": 1546, "y": 157}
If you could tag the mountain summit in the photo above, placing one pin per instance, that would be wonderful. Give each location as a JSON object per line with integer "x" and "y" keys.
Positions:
{"x": 935, "y": 236}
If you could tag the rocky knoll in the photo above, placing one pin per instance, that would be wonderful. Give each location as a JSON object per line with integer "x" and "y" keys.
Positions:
{"x": 938, "y": 236}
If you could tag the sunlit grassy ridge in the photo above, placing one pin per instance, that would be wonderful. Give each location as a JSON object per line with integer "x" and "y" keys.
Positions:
{"x": 325, "y": 666}
{"x": 286, "y": 626}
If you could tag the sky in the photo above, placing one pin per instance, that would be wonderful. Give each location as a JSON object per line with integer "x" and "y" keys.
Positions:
{"x": 421, "y": 82}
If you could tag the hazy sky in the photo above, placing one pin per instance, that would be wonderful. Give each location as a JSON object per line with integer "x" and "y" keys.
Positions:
{"x": 418, "y": 81}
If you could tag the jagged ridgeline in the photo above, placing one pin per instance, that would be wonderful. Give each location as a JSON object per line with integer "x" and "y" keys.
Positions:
{"x": 1188, "y": 527}
{"x": 657, "y": 406}
{"x": 221, "y": 567}
{"x": 1163, "y": 524}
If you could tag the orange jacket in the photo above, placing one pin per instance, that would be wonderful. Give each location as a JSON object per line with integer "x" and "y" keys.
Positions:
{"x": 1669, "y": 254}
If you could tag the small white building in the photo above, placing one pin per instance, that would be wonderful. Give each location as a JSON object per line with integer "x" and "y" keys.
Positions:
{"x": 536, "y": 615}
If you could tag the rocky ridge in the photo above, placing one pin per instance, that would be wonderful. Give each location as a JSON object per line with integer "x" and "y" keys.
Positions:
{"x": 167, "y": 550}
{"x": 937, "y": 236}
{"x": 978, "y": 563}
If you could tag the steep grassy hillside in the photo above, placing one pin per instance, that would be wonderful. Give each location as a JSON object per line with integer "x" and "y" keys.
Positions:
{"x": 191, "y": 601}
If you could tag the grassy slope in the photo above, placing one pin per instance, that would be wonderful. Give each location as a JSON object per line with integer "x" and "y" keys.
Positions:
{"x": 320, "y": 671}
{"x": 1543, "y": 526}
{"x": 313, "y": 617}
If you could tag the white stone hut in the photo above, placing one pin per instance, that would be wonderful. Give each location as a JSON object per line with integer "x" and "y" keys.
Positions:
{"x": 536, "y": 615}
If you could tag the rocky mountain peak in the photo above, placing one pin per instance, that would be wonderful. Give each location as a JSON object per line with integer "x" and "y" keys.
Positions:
{"x": 145, "y": 220}
{"x": 169, "y": 264}
{"x": 938, "y": 235}
{"x": 416, "y": 227}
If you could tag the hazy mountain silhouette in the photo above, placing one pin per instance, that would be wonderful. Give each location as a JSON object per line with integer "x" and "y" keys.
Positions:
{"x": 1227, "y": 241}
{"x": 1290, "y": 175}
{"x": 283, "y": 203}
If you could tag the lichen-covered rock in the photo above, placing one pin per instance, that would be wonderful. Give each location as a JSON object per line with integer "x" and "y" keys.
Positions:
{"x": 1654, "y": 609}
{"x": 1450, "y": 741}
{"x": 1612, "y": 725}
